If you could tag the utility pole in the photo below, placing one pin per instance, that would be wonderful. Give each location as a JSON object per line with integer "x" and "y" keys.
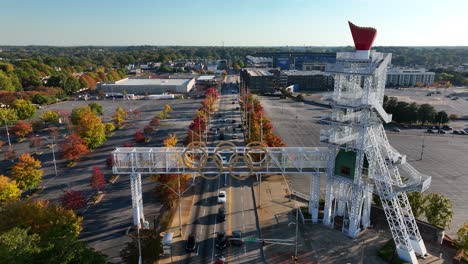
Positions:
{"x": 8, "y": 134}
{"x": 422, "y": 147}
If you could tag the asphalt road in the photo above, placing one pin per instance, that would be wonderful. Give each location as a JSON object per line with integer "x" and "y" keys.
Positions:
{"x": 240, "y": 204}
{"x": 444, "y": 156}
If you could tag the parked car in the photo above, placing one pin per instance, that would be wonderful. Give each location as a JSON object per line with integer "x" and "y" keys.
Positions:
{"x": 221, "y": 136}
{"x": 222, "y": 197}
{"x": 461, "y": 132}
{"x": 237, "y": 108}
{"x": 223, "y": 120}
{"x": 440, "y": 131}
{"x": 448, "y": 128}
{"x": 233, "y": 102}
{"x": 237, "y": 235}
{"x": 191, "y": 244}
{"x": 221, "y": 240}
{"x": 221, "y": 216}
{"x": 396, "y": 129}
{"x": 233, "y": 121}
{"x": 234, "y": 136}
{"x": 430, "y": 131}
{"x": 455, "y": 132}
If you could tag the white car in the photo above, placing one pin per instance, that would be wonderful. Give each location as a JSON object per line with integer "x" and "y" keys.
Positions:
{"x": 222, "y": 197}
{"x": 234, "y": 136}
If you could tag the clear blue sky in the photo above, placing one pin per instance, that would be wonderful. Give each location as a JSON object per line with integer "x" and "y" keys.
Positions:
{"x": 236, "y": 23}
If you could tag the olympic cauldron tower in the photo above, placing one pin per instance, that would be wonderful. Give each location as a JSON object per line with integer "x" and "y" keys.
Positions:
{"x": 361, "y": 161}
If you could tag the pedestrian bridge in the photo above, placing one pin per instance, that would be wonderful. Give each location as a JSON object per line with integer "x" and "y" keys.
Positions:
{"x": 211, "y": 162}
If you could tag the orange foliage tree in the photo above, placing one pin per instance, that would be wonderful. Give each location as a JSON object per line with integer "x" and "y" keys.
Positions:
{"x": 22, "y": 128}
{"x": 73, "y": 148}
{"x": 27, "y": 172}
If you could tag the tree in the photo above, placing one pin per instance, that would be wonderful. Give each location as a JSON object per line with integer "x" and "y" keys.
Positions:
{"x": 300, "y": 98}
{"x": 50, "y": 221}
{"x": 417, "y": 203}
{"x": 150, "y": 242}
{"x": 426, "y": 113}
{"x": 72, "y": 199}
{"x": 27, "y": 172}
{"x": 91, "y": 129}
{"x": 119, "y": 117}
{"x": 170, "y": 141}
{"x": 8, "y": 189}
{"x": 7, "y": 115}
{"x": 5, "y": 83}
{"x": 453, "y": 117}
{"x": 73, "y": 148}
{"x": 98, "y": 180}
{"x": 139, "y": 136}
{"x": 167, "y": 110}
{"x": 148, "y": 130}
{"x": 50, "y": 116}
{"x": 155, "y": 121}
{"x": 18, "y": 246}
{"x": 96, "y": 108}
{"x": 78, "y": 112}
{"x": 462, "y": 240}
{"x": 24, "y": 109}
{"x": 21, "y": 129}
{"x": 442, "y": 117}
{"x": 438, "y": 210}
{"x": 109, "y": 128}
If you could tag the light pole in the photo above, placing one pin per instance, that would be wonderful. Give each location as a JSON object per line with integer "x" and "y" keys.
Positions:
{"x": 8, "y": 133}
{"x": 179, "y": 194}
{"x": 53, "y": 156}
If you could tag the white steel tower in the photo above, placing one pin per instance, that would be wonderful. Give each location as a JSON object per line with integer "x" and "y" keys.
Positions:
{"x": 361, "y": 160}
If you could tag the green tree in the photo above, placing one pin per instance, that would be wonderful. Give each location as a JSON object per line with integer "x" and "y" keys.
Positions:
{"x": 27, "y": 172}
{"x": 426, "y": 113}
{"x": 438, "y": 210}
{"x": 50, "y": 116}
{"x": 417, "y": 203}
{"x": 5, "y": 83}
{"x": 24, "y": 109}
{"x": 18, "y": 246}
{"x": 96, "y": 108}
{"x": 462, "y": 240}
{"x": 442, "y": 117}
{"x": 7, "y": 115}
{"x": 109, "y": 128}
{"x": 78, "y": 112}
{"x": 8, "y": 189}
{"x": 71, "y": 85}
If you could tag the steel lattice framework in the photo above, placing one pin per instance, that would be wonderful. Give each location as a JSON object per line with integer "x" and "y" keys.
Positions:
{"x": 356, "y": 126}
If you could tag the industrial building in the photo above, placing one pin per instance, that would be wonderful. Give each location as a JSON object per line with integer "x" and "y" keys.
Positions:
{"x": 260, "y": 80}
{"x": 149, "y": 86}
{"x": 402, "y": 77}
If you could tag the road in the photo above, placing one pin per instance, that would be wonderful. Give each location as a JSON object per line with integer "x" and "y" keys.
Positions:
{"x": 240, "y": 204}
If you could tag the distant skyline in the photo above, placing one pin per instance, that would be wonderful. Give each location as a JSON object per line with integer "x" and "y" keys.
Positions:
{"x": 232, "y": 23}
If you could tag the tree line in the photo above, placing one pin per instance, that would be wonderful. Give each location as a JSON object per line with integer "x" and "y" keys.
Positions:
{"x": 413, "y": 113}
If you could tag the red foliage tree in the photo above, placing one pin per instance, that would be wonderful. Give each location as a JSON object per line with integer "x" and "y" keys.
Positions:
{"x": 97, "y": 179}
{"x": 22, "y": 128}
{"x": 139, "y": 136}
{"x": 73, "y": 148}
{"x": 72, "y": 199}
{"x": 155, "y": 121}
{"x": 110, "y": 161}
{"x": 198, "y": 124}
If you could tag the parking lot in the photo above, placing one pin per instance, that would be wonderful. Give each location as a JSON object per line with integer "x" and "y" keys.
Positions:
{"x": 444, "y": 156}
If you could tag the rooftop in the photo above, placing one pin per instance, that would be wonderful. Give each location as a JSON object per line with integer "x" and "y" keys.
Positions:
{"x": 302, "y": 73}
{"x": 206, "y": 78}
{"x": 151, "y": 82}
{"x": 258, "y": 72}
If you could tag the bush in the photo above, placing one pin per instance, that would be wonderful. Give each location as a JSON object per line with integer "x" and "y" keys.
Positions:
{"x": 387, "y": 251}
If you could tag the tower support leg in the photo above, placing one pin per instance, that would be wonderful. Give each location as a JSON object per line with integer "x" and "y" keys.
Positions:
{"x": 366, "y": 210}
{"x": 407, "y": 255}
{"x": 314, "y": 200}
{"x": 137, "y": 199}
{"x": 355, "y": 214}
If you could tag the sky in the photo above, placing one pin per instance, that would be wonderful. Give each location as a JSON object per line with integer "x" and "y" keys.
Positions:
{"x": 232, "y": 23}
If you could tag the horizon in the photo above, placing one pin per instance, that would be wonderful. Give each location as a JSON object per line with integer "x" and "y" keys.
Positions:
{"x": 260, "y": 23}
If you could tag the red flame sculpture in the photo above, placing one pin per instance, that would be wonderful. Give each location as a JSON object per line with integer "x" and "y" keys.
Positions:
{"x": 363, "y": 36}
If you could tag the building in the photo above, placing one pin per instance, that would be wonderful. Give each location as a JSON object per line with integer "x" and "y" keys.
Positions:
{"x": 149, "y": 86}
{"x": 305, "y": 61}
{"x": 409, "y": 77}
{"x": 260, "y": 80}
{"x": 208, "y": 80}
{"x": 306, "y": 81}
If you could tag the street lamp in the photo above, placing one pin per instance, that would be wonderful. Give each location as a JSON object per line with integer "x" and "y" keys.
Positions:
{"x": 53, "y": 155}
{"x": 8, "y": 133}
{"x": 179, "y": 194}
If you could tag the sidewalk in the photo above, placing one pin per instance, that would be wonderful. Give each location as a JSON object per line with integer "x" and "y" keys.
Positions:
{"x": 178, "y": 241}
{"x": 316, "y": 243}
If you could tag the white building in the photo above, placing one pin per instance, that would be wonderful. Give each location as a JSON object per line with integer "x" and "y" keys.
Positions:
{"x": 149, "y": 86}
{"x": 408, "y": 77}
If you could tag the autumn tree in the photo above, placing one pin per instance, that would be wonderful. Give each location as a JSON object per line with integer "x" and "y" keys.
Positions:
{"x": 165, "y": 112}
{"x": 438, "y": 210}
{"x": 155, "y": 121}
{"x": 22, "y": 128}
{"x": 119, "y": 117}
{"x": 73, "y": 147}
{"x": 109, "y": 128}
{"x": 170, "y": 141}
{"x": 18, "y": 246}
{"x": 91, "y": 129}
{"x": 148, "y": 130}
{"x": 8, "y": 189}
{"x": 8, "y": 116}
{"x": 139, "y": 136}
{"x": 50, "y": 116}
{"x": 98, "y": 180}
{"x": 27, "y": 172}
{"x": 24, "y": 109}
{"x": 72, "y": 199}
{"x": 78, "y": 112}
